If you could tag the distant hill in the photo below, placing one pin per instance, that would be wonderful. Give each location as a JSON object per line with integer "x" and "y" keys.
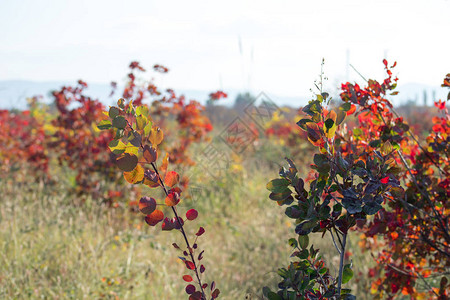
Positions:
{"x": 13, "y": 93}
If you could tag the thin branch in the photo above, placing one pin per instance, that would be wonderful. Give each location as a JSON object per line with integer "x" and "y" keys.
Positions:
{"x": 358, "y": 72}
{"x": 182, "y": 231}
{"x": 341, "y": 264}
{"x": 177, "y": 218}
{"x": 320, "y": 275}
{"x": 334, "y": 242}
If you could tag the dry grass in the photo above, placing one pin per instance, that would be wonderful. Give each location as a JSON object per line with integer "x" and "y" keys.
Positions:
{"x": 53, "y": 249}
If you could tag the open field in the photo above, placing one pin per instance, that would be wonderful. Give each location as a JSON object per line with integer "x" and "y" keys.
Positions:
{"x": 54, "y": 247}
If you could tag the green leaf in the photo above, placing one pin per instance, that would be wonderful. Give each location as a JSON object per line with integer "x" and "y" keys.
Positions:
{"x": 347, "y": 274}
{"x": 303, "y": 254}
{"x": 117, "y": 147}
{"x": 278, "y": 185}
{"x": 280, "y": 196}
{"x": 272, "y": 296}
{"x": 329, "y": 123}
{"x": 104, "y": 124}
{"x": 119, "y": 134}
{"x": 357, "y": 131}
{"x": 293, "y": 243}
{"x": 293, "y": 212}
{"x": 320, "y": 159}
{"x": 148, "y": 128}
{"x": 142, "y": 110}
{"x": 305, "y": 227}
{"x": 352, "y": 205}
{"x": 302, "y": 123}
{"x": 119, "y": 122}
{"x": 346, "y": 106}
{"x": 303, "y": 241}
{"x": 113, "y": 112}
{"x": 341, "y": 115}
{"x": 375, "y": 143}
{"x": 372, "y": 207}
{"x": 141, "y": 122}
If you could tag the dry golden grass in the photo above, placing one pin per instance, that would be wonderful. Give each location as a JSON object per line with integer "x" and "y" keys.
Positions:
{"x": 52, "y": 248}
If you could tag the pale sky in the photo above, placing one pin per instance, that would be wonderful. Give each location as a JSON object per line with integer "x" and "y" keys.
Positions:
{"x": 282, "y": 42}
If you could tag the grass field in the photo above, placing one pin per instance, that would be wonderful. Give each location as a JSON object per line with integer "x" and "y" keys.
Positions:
{"x": 54, "y": 248}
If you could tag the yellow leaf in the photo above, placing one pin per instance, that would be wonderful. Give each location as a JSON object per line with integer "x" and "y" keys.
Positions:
{"x": 118, "y": 146}
{"x": 134, "y": 176}
{"x": 156, "y": 136}
{"x": 141, "y": 122}
{"x": 330, "y": 132}
{"x": 165, "y": 163}
{"x": 130, "y": 148}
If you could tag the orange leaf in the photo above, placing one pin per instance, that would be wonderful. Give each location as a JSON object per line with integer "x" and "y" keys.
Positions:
{"x": 165, "y": 163}
{"x": 171, "y": 178}
{"x": 351, "y": 110}
{"x": 154, "y": 218}
{"x": 332, "y": 115}
{"x": 172, "y": 199}
{"x": 134, "y": 176}
{"x": 150, "y": 154}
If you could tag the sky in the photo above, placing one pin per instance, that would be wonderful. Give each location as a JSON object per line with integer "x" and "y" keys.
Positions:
{"x": 270, "y": 46}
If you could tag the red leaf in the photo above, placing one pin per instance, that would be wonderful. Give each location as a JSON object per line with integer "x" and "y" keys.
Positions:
{"x": 187, "y": 278}
{"x": 200, "y": 231}
{"x": 385, "y": 180}
{"x": 175, "y": 190}
{"x": 179, "y": 223}
{"x": 202, "y": 268}
{"x": 175, "y": 246}
{"x": 196, "y": 296}
{"x": 191, "y": 214}
{"x": 200, "y": 256}
{"x": 215, "y": 294}
{"x": 168, "y": 224}
{"x": 351, "y": 110}
{"x": 190, "y": 265}
{"x": 190, "y": 289}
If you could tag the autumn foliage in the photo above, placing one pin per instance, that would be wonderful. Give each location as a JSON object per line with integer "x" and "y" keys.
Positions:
{"x": 136, "y": 151}
{"x": 371, "y": 174}
{"x": 377, "y": 177}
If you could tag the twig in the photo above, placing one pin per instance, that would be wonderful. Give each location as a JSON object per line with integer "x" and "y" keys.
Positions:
{"x": 182, "y": 231}
{"x": 341, "y": 263}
